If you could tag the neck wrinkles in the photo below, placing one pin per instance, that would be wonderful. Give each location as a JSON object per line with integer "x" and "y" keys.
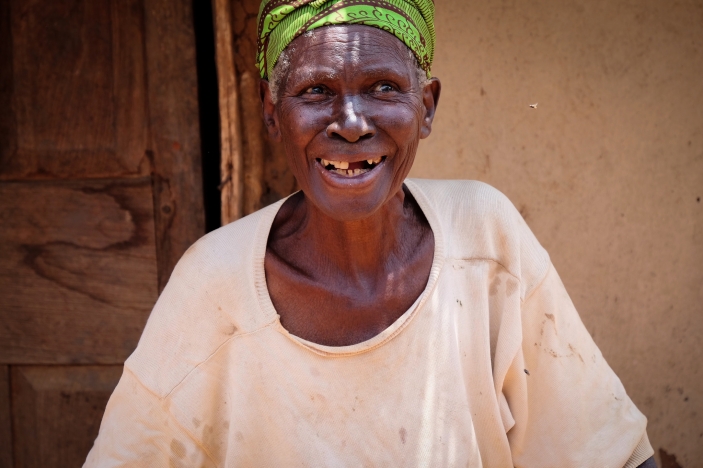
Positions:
{"x": 361, "y": 249}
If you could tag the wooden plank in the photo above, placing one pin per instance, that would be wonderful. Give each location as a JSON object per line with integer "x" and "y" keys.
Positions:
{"x": 8, "y": 130}
{"x": 255, "y": 145}
{"x": 231, "y": 187}
{"x": 62, "y": 60}
{"x": 57, "y": 412}
{"x": 77, "y": 269}
{"x": 253, "y": 128}
{"x": 131, "y": 124}
{"x": 5, "y": 425}
{"x": 267, "y": 177}
{"x": 175, "y": 137}
{"x": 76, "y": 80}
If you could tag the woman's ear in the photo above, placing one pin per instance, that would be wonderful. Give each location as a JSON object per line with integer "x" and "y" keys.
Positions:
{"x": 430, "y": 99}
{"x": 269, "y": 108}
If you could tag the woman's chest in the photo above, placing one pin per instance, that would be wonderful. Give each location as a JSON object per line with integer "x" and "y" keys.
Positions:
{"x": 426, "y": 396}
{"x": 333, "y": 309}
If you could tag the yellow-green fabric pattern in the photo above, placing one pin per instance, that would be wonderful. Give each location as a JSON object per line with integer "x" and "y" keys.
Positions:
{"x": 281, "y": 21}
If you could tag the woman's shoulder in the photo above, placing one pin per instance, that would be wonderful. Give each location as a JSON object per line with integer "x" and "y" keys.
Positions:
{"x": 210, "y": 298}
{"x": 477, "y": 221}
{"x": 465, "y": 196}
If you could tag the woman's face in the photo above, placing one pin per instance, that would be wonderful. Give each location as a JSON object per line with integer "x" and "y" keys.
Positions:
{"x": 350, "y": 113}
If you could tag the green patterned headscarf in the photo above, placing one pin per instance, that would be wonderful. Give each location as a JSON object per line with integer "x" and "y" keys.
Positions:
{"x": 281, "y": 21}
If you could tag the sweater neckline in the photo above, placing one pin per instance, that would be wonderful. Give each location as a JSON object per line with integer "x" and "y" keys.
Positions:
{"x": 266, "y": 305}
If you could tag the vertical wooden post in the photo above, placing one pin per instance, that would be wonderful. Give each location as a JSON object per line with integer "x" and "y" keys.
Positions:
{"x": 230, "y": 127}
{"x": 252, "y": 133}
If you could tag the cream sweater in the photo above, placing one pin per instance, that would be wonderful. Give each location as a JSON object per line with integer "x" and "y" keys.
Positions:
{"x": 490, "y": 367}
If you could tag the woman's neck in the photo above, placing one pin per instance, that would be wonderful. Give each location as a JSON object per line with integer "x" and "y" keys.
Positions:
{"x": 360, "y": 250}
{"x": 339, "y": 283}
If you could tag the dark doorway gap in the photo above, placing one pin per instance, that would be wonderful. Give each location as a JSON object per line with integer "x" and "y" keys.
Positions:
{"x": 208, "y": 105}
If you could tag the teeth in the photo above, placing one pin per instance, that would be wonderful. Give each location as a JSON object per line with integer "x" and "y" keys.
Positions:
{"x": 351, "y": 172}
{"x": 337, "y": 164}
{"x": 344, "y": 165}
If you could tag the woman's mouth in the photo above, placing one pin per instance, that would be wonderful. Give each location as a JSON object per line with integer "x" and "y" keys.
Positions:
{"x": 350, "y": 169}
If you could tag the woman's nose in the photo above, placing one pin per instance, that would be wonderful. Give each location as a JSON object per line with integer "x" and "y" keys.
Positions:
{"x": 351, "y": 124}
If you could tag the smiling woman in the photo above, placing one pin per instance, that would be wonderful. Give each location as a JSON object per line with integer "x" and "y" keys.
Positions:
{"x": 368, "y": 319}
{"x": 350, "y": 113}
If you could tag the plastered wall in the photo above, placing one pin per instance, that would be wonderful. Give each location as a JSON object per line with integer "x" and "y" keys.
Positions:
{"x": 607, "y": 170}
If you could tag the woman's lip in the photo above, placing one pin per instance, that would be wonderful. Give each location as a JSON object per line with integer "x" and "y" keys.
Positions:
{"x": 333, "y": 178}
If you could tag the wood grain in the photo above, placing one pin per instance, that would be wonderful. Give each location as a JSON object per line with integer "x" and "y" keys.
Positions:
{"x": 8, "y": 130}
{"x": 57, "y": 412}
{"x": 267, "y": 177}
{"x": 5, "y": 424}
{"x": 131, "y": 123}
{"x": 77, "y": 270}
{"x": 231, "y": 164}
{"x": 253, "y": 155}
{"x": 76, "y": 84}
{"x": 85, "y": 156}
{"x": 175, "y": 133}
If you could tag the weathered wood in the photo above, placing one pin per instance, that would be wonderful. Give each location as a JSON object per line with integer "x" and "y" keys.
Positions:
{"x": 78, "y": 255}
{"x": 8, "y": 130}
{"x": 57, "y": 412}
{"x": 131, "y": 123}
{"x": 75, "y": 78}
{"x": 275, "y": 180}
{"x": 253, "y": 128}
{"x": 175, "y": 137}
{"x": 231, "y": 166}
{"x": 77, "y": 270}
{"x": 5, "y": 424}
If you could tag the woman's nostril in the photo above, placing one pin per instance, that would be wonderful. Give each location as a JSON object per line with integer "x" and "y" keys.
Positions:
{"x": 349, "y": 136}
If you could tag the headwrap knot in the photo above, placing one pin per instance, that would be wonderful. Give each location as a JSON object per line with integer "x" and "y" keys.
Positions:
{"x": 281, "y": 21}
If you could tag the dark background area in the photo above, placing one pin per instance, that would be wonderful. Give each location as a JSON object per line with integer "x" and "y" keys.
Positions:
{"x": 208, "y": 111}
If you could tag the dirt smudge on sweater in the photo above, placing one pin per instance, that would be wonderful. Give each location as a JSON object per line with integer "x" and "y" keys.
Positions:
{"x": 178, "y": 449}
{"x": 403, "y": 435}
{"x": 494, "y": 286}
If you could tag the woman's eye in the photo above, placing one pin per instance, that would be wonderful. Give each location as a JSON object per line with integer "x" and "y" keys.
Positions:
{"x": 315, "y": 90}
{"x": 385, "y": 88}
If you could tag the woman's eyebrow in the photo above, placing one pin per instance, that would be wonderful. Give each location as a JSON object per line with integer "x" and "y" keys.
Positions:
{"x": 307, "y": 73}
{"x": 385, "y": 70}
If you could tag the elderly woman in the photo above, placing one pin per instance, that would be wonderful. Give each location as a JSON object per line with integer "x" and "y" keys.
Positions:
{"x": 369, "y": 319}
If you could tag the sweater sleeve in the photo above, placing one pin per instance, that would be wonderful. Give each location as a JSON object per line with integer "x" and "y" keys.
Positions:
{"x": 137, "y": 430}
{"x": 569, "y": 407}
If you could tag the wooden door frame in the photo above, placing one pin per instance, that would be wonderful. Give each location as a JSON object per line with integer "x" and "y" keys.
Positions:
{"x": 231, "y": 157}
{"x": 254, "y": 170}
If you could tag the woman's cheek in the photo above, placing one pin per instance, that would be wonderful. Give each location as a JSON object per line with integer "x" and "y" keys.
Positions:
{"x": 402, "y": 118}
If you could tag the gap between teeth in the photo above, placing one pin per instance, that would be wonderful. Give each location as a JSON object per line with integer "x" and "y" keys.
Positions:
{"x": 344, "y": 165}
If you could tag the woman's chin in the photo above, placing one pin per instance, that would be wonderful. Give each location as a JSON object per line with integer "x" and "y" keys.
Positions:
{"x": 347, "y": 208}
{"x": 349, "y": 198}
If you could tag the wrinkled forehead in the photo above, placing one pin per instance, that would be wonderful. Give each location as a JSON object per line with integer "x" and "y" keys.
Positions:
{"x": 340, "y": 49}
